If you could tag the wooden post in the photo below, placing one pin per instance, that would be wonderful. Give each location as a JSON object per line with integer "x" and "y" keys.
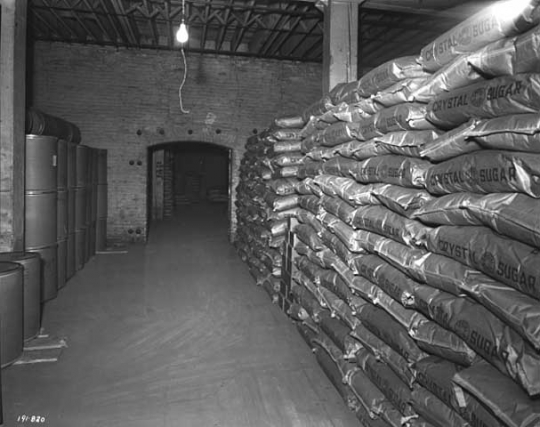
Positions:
{"x": 12, "y": 121}
{"x": 340, "y": 57}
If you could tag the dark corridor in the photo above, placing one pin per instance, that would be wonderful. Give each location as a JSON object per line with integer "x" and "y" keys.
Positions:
{"x": 186, "y": 174}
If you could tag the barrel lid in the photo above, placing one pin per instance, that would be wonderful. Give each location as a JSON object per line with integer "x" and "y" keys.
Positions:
{"x": 41, "y": 137}
{"x": 17, "y": 256}
{"x": 8, "y": 267}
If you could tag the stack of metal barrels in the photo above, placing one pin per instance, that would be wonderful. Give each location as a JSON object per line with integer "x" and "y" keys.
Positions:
{"x": 41, "y": 208}
{"x": 65, "y": 224}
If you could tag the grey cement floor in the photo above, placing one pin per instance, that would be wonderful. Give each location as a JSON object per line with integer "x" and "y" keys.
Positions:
{"x": 173, "y": 333}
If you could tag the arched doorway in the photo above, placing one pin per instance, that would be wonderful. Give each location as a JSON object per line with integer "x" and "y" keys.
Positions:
{"x": 188, "y": 177}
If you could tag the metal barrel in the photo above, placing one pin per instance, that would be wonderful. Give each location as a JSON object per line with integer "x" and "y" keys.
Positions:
{"x": 80, "y": 248}
{"x": 102, "y": 167}
{"x": 80, "y": 208}
{"x": 101, "y": 234}
{"x": 62, "y": 215}
{"x": 62, "y": 263}
{"x": 82, "y": 154}
{"x": 49, "y": 271}
{"x": 61, "y": 236}
{"x": 71, "y": 165}
{"x": 62, "y": 165}
{"x": 71, "y": 209}
{"x": 40, "y": 219}
{"x": 41, "y": 160}
{"x": 89, "y": 204}
{"x": 31, "y": 264}
{"x": 11, "y": 312}
{"x": 71, "y": 267}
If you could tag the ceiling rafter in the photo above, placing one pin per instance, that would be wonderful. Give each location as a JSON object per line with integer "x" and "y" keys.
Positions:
{"x": 53, "y": 30}
{"x": 81, "y": 22}
{"x": 120, "y": 33}
{"x": 304, "y": 38}
{"x": 207, "y": 9}
{"x": 283, "y": 29}
{"x": 60, "y": 20}
{"x": 247, "y": 18}
{"x": 221, "y": 36}
{"x": 125, "y": 22}
{"x": 274, "y": 32}
{"x": 294, "y": 25}
{"x": 92, "y": 10}
{"x": 151, "y": 16}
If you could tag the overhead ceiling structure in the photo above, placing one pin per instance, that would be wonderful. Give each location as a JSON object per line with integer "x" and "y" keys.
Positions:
{"x": 275, "y": 29}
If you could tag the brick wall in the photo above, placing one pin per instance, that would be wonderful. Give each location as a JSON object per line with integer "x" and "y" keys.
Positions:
{"x": 127, "y": 100}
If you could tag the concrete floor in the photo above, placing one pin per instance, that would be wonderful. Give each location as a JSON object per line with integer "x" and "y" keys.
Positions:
{"x": 173, "y": 333}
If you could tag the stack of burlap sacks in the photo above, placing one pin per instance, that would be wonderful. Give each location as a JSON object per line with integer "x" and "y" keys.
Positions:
{"x": 417, "y": 276}
{"x": 266, "y": 198}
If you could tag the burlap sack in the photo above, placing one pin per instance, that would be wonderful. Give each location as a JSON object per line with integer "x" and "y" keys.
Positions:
{"x": 451, "y": 144}
{"x": 486, "y": 171}
{"x": 393, "y": 281}
{"x": 518, "y": 310}
{"x": 435, "y": 270}
{"x": 454, "y": 75}
{"x": 511, "y": 214}
{"x": 506, "y": 399}
{"x": 517, "y": 132}
{"x": 484, "y": 27}
{"x": 451, "y": 209}
{"x": 434, "y": 410}
{"x": 404, "y": 201}
{"x": 504, "y": 259}
{"x": 383, "y": 221}
{"x": 516, "y": 94}
{"x": 389, "y": 73}
{"x": 386, "y": 381}
{"x": 391, "y": 169}
{"x": 385, "y": 353}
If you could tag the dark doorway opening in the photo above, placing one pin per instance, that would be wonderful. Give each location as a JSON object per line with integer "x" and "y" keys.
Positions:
{"x": 188, "y": 178}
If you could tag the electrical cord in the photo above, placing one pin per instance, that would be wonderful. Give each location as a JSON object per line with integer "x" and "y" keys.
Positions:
{"x": 183, "y": 82}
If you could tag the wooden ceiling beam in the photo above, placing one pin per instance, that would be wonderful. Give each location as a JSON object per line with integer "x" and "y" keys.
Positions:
{"x": 243, "y": 29}
{"x": 151, "y": 16}
{"x": 316, "y": 44}
{"x": 224, "y": 27}
{"x": 119, "y": 34}
{"x": 92, "y": 10}
{"x": 304, "y": 38}
{"x": 124, "y": 23}
{"x": 60, "y": 20}
{"x": 274, "y": 34}
{"x": 169, "y": 24}
{"x": 276, "y": 47}
{"x": 92, "y": 34}
{"x": 207, "y": 9}
{"x": 115, "y": 22}
{"x": 47, "y": 24}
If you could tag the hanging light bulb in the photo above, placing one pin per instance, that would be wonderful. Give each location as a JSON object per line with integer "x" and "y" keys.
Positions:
{"x": 182, "y": 34}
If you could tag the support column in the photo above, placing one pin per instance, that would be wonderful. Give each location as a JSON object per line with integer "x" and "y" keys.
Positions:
{"x": 12, "y": 120}
{"x": 340, "y": 56}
